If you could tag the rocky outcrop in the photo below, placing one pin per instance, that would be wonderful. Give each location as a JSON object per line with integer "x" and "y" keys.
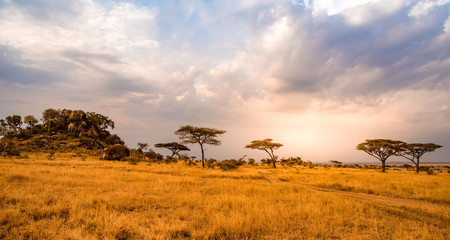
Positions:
{"x": 77, "y": 116}
{"x": 78, "y": 125}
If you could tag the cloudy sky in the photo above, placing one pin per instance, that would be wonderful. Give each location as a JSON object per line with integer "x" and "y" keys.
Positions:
{"x": 317, "y": 76}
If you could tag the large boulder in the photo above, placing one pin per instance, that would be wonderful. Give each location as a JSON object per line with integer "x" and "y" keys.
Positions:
{"x": 116, "y": 152}
{"x": 72, "y": 128}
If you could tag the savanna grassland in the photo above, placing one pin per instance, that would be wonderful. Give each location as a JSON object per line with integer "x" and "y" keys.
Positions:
{"x": 86, "y": 198}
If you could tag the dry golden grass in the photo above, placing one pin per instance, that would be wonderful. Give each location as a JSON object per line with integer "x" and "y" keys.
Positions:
{"x": 394, "y": 183}
{"x": 91, "y": 199}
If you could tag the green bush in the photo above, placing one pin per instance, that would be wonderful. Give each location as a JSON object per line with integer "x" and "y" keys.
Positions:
{"x": 153, "y": 156}
{"x": 9, "y": 149}
{"x": 291, "y": 161}
{"x": 169, "y": 159}
{"x": 190, "y": 163}
{"x": 116, "y": 152}
{"x": 229, "y": 164}
{"x": 210, "y": 163}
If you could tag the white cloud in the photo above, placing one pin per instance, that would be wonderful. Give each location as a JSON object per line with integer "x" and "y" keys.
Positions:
{"x": 422, "y": 8}
{"x": 91, "y": 28}
{"x": 322, "y": 68}
{"x": 332, "y": 7}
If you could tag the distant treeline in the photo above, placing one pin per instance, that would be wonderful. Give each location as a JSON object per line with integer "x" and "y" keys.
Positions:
{"x": 75, "y": 130}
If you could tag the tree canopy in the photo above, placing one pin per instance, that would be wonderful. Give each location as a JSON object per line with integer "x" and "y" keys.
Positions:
{"x": 100, "y": 121}
{"x": 30, "y": 120}
{"x": 14, "y": 122}
{"x": 381, "y": 149}
{"x": 173, "y": 146}
{"x": 49, "y": 115}
{"x": 201, "y": 135}
{"x": 266, "y": 145}
{"x": 414, "y": 151}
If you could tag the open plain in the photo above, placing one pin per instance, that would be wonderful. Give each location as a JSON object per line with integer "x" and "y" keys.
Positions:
{"x": 86, "y": 198}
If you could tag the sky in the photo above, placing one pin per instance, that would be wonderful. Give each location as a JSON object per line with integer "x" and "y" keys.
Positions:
{"x": 317, "y": 76}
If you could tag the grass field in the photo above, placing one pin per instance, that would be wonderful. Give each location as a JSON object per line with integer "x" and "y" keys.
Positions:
{"x": 76, "y": 198}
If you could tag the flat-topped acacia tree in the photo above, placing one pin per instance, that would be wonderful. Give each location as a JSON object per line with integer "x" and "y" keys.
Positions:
{"x": 381, "y": 149}
{"x": 173, "y": 146}
{"x": 201, "y": 135}
{"x": 414, "y": 151}
{"x": 266, "y": 145}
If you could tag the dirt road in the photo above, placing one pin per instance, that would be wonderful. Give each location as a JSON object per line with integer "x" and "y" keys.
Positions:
{"x": 391, "y": 201}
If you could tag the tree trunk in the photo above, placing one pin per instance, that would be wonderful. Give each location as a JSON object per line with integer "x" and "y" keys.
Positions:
{"x": 383, "y": 166}
{"x": 203, "y": 156}
{"x": 417, "y": 166}
{"x": 273, "y": 162}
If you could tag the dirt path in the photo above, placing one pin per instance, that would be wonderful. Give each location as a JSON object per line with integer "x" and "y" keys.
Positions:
{"x": 391, "y": 201}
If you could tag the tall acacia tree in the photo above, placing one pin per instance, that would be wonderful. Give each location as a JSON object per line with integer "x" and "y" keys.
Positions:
{"x": 381, "y": 149}
{"x": 201, "y": 135}
{"x": 266, "y": 145}
{"x": 414, "y": 151}
{"x": 173, "y": 146}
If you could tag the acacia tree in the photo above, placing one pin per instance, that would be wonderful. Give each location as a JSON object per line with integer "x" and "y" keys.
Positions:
{"x": 189, "y": 134}
{"x": 99, "y": 121}
{"x": 336, "y": 162}
{"x": 14, "y": 122}
{"x": 268, "y": 146}
{"x": 414, "y": 151}
{"x": 30, "y": 120}
{"x": 50, "y": 115}
{"x": 142, "y": 147}
{"x": 173, "y": 146}
{"x": 381, "y": 149}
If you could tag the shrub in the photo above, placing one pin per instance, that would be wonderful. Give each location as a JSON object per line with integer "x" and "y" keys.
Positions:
{"x": 113, "y": 139}
{"x": 407, "y": 166}
{"x": 291, "y": 161}
{"x": 229, "y": 164}
{"x": 428, "y": 169}
{"x": 116, "y": 152}
{"x": 153, "y": 156}
{"x": 87, "y": 142}
{"x": 170, "y": 159}
{"x": 190, "y": 163}
{"x": 210, "y": 163}
{"x": 9, "y": 149}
